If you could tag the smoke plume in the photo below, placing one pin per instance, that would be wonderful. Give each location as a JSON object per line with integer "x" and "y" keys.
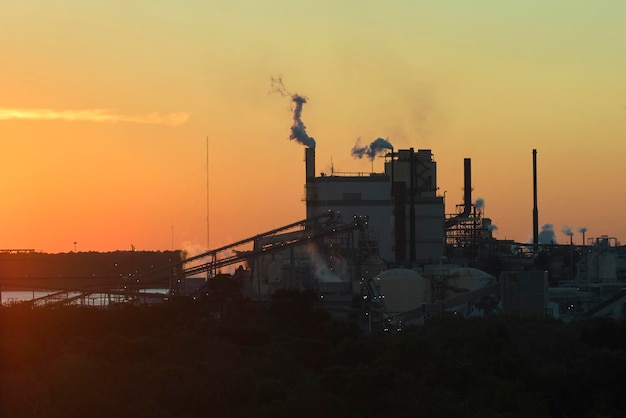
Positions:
{"x": 480, "y": 203}
{"x": 582, "y": 230}
{"x": 568, "y": 231}
{"x": 298, "y": 129}
{"x": 546, "y": 235}
{"x": 492, "y": 227}
{"x": 93, "y": 115}
{"x": 372, "y": 150}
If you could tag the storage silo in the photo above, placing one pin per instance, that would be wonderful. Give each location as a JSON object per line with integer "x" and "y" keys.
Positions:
{"x": 402, "y": 289}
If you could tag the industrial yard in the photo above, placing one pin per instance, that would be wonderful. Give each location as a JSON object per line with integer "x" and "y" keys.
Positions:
{"x": 376, "y": 303}
{"x": 378, "y": 248}
{"x": 319, "y": 209}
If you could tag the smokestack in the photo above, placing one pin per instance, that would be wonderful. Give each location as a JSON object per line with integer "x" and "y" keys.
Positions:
{"x": 582, "y": 230}
{"x": 467, "y": 197}
{"x": 412, "y": 254}
{"x": 310, "y": 186}
{"x": 535, "y": 210}
{"x": 309, "y": 159}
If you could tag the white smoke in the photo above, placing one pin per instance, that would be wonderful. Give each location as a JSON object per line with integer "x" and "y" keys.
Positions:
{"x": 480, "y": 203}
{"x": 547, "y": 235}
{"x": 298, "y": 129}
{"x": 375, "y": 148}
{"x": 191, "y": 249}
{"x": 278, "y": 87}
{"x": 492, "y": 227}
{"x": 582, "y": 229}
{"x": 321, "y": 271}
{"x": 323, "y": 274}
{"x": 567, "y": 231}
{"x": 93, "y": 115}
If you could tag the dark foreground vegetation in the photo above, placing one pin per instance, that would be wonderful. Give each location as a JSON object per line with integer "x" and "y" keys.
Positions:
{"x": 227, "y": 357}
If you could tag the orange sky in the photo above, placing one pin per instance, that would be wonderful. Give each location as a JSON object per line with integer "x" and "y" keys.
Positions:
{"x": 106, "y": 107}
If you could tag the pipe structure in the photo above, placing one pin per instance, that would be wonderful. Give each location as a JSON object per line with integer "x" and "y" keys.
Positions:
{"x": 467, "y": 187}
{"x": 535, "y": 210}
{"x": 467, "y": 194}
{"x": 412, "y": 191}
{"x": 309, "y": 161}
{"x": 309, "y": 181}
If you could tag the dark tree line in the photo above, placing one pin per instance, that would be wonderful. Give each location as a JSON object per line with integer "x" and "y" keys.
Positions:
{"x": 225, "y": 356}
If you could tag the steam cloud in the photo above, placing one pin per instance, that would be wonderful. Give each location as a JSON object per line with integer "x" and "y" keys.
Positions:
{"x": 372, "y": 150}
{"x": 568, "y": 231}
{"x": 93, "y": 115}
{"x": 492, "y": 227}
{"x": 480, "y": 203}
{"x": 582, "y": 230}
{"x": 298, "y": 129}
{"x": 547, "y": 236}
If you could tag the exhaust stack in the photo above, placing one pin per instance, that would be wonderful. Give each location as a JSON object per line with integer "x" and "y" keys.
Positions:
{"x": 467, "y": 187}
{"x": 309, "y": 184}
{"x": 467, "y": 195}
{"x": 535, "y": 210}
{"x": 309, "y": 160}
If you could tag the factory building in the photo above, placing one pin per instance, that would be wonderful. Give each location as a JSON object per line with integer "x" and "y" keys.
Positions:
{"x": 353, "y": 195}
{"x": 418, "y": 213}
{"x": 405, "y": 216}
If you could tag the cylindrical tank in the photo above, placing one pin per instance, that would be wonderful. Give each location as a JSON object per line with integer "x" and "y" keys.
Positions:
{"x": 402, "y": 289}
{"x": 467, "y": 278}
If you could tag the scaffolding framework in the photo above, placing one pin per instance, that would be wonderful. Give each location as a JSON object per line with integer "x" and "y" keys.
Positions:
{"x": 466, "y": 233}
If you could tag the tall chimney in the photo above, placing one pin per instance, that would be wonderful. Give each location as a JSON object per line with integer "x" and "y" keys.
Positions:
{"x": 309, "y": 159}
{"x": 467, "y": 187}
{"x": 309, "y": 184}
{"x": 535, "y": 210}
{"x": 467, "y": 196}
{"x": 412, "y": 191}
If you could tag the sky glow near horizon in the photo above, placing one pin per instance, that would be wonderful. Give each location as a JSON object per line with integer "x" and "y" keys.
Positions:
{"x": 92, "y": 115}
{"x": 486, "y": 80}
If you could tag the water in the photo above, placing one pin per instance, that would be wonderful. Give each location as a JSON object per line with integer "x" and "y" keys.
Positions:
{"x": 44, "y": 297}
{"x": 10, "y": 297}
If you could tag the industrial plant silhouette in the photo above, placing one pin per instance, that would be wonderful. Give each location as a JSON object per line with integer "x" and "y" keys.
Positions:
{"x": 377, "y": 247}
{"x": 377, "y": 303}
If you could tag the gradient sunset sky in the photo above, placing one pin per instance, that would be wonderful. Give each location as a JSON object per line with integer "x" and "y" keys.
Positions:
{"x": 106, "y": 106}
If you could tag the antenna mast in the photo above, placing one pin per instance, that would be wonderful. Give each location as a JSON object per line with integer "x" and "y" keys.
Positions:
{"x": 207, "y": 195}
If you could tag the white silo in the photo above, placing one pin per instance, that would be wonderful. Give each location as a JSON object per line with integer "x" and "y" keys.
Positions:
{"x": 402, "y": 289}
{"x": 469, "y": 278}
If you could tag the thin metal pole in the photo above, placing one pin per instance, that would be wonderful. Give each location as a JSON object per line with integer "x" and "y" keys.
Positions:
{"x": 208, "y": 242}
